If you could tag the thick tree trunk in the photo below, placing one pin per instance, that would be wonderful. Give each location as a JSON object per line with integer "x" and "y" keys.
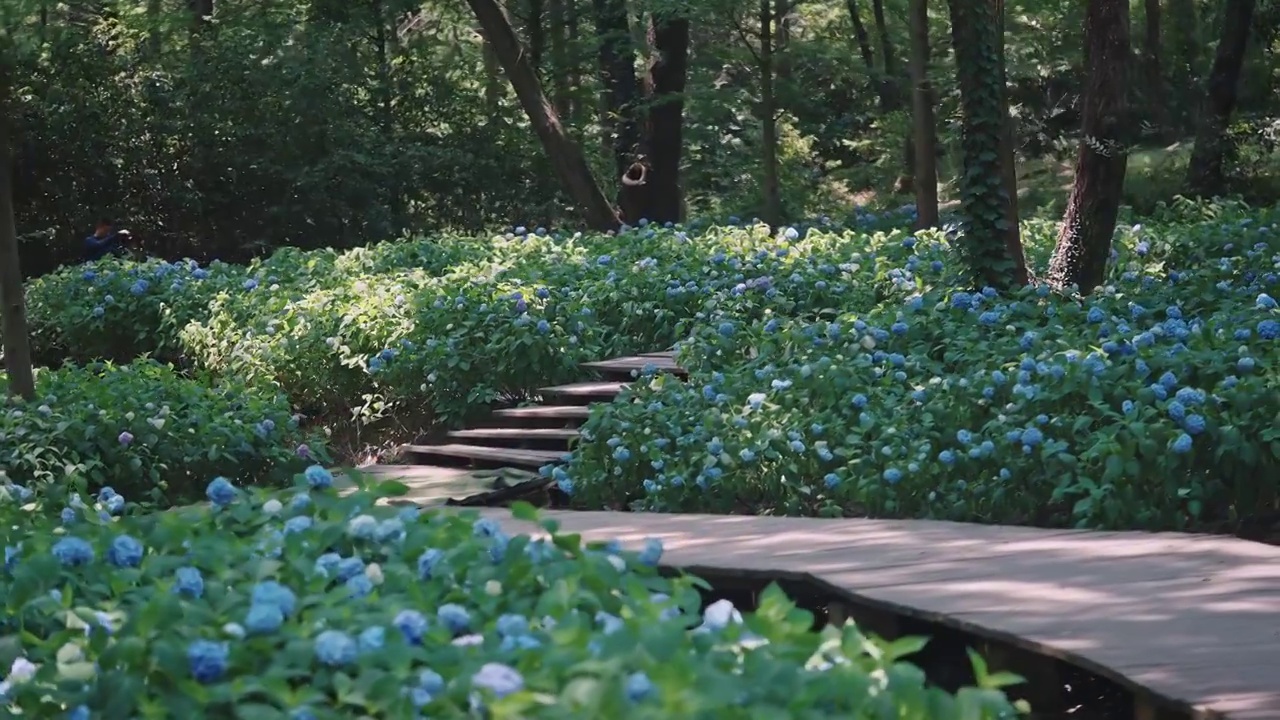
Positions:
{"x": 1153, "y": 69}
{"x": 566, "y": 156}
{"x": 617, "y": 57}
{"x": 992, "y": 245}
{"x": 864, "y": 40}
{"x": 1205, "y": 175}
{"x": 923, "y": 123}
{"x": 13, "y": 309}
{"x": 1084, "y": 242}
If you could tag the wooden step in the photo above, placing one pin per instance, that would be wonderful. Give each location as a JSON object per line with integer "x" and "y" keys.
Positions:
{"x": 585, "y": 392}
{"x": 454, "y": 454}
{"x": 624, "y": 367}
{"x": 541, "y": 416}
{"x": 525, "y": 438}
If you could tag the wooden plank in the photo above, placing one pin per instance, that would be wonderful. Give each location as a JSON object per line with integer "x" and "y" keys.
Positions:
{"x": 431, "y": 486}
{"x": 637, "y": 364}
{"x": 546, "y": 412}
{"x": 506, "y": 456}
{"x": 1193, "y": 619}
{"x": 565, "y": 434}
{"x": 585, "y": 389}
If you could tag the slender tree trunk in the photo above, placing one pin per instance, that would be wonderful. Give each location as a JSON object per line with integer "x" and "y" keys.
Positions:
{"x": 566, "y": 156}
{"x": 1185, "y": 55}
{"x": 769, "y": 118}
{"x": 492, "y": 76}
{"x": 864, "y": 40}
{"x": 992, "y": 245}
{"x": 1084, "y": 242}
{"x": 891, "y": 94}
{"x": 13, "y": 320}
{"x": 1009, "y": 153}
{"x": 153, "y": 46}
{"x": 923, "y": 123}
{"x": 1153, "y": 69}
{"x": 573, "y": 72}
{"x": 1205, "y": 175}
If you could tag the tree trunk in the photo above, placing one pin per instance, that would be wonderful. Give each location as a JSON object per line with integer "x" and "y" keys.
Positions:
{"x": 559, "y": 67}
{"x": 1205, "y": 175}
{"x": 860, "y": 32}
{"x": 537, "y": 35}
{"x": 13, "y": 320}
{"x": 566, "y": 157}
{"x": 923, "y": 123}
{"x": 769, "y": 118}
{"x": 1185, "y": 52}
{"x": 991, "y": 244}
{"x": 492, "y": 76}
{"x": 617, "y": 57}
{"x": 1084, "y": 242}
{"x": 1153, "y": 69}
{"x": 651, "y": 185}
{"x": 891, "y": 94}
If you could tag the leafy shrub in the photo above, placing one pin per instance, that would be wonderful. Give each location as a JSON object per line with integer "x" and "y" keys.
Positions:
{"x": 306, "y": 604}
{"x": 1150, "y": 404}
{"x": 147, "y": 431}
{"x": 119, "y": 310}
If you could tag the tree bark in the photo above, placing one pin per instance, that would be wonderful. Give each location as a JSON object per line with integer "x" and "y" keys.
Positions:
{"x": 923, "y": 122}
{"x": 13, "y": 309}
{"x": 537, "y": 35}
{"x": 1084, "y": 242}
{"x": 769, "y": 118}
{"x": 1205, "y": 175}
{"x": 566, "y": 156}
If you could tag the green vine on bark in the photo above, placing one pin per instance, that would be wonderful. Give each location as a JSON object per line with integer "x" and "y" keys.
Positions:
{"x": 984, "y": 200}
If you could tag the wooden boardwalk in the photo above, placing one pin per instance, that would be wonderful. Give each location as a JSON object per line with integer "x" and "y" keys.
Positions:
{"x": 1183, "y": 619}
{"x": 1190, "y": 619}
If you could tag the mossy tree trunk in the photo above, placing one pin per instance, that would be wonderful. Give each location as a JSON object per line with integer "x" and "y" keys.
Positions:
{"x": 1084, "y": 242}
{"x": 991, "y": 244}
{"x": 1205, "y": 174}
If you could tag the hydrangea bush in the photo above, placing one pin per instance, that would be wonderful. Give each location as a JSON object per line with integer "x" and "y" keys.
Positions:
{"x": 1150, "y": 404}
{"x": 308, "y": 604}
{"x": 149, "y": 432}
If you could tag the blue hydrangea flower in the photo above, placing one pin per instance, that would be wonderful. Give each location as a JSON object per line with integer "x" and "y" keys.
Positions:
{"x": 318, "y": 478}
{"x": 454, "y": 617}
{"x": 335, "y": 648}
{"x": 73, "y": 552}
{"x": 263, "y": 618}
{"x": 207, "y": 660}
{"x": 412, "y": 625}
{"x": 220, "y": 492}
{"x": 188, "y": 582}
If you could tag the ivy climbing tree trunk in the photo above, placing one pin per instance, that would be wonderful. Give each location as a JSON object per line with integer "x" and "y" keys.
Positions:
{"x": 1084, "y": 242}
{"x": 566, "y": 156}
{"x": 991, "y": 244}
{"x": 923, "y": 123}
{"x": 1204, "y": 173}
{"x": 17, "y": 344}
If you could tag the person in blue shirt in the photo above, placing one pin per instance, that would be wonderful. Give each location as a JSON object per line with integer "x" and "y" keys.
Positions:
{"x": 104, "y": 241}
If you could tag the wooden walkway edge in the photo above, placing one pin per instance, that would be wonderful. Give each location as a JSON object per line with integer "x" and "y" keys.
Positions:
{"x": 1190, "y": 619}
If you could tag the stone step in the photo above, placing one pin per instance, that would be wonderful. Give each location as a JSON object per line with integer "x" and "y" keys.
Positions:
{"x": 584, "y": 393}
{"x": 456, "y": 454}
{"x": 524, "y": 438}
